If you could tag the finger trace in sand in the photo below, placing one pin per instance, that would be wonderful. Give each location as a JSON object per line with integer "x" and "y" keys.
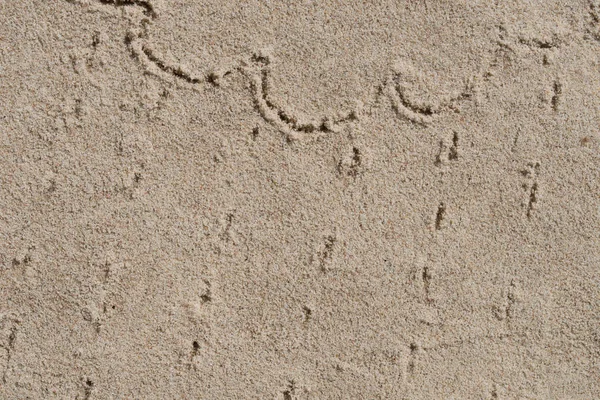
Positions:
{"x": 419, "y": 112}
{"x": 282, "y": 119}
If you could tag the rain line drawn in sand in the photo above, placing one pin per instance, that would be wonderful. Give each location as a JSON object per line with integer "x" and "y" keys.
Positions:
{"x": 531, "y": 173}
{"x": 325, "y": 252}
{"x": 9, "y": 328}
{"x": 556, "y": 93}
{"x": 439, "y": 216}
{"x": 507, "y": 310}
{"x": 594, "y": 13}
{"x": 451, "y": 154}
{"x": 87, "y": 389}
{"x": 351, "y": 165}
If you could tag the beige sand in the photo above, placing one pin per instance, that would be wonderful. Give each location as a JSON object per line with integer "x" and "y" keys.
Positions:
{"x": 244, "y": 199}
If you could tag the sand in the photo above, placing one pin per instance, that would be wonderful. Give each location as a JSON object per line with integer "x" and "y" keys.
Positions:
{"x": 299, "y": 200}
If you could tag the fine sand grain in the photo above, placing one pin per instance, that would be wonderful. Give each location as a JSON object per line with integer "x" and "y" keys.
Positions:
{"x": 299, "y": 200}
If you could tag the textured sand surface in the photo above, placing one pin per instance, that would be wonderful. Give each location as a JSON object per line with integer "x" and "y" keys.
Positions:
{"x": 294, "y": 200}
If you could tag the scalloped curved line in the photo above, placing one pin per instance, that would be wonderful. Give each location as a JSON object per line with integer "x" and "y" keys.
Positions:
{"x": 146, "y": 5}
{"x": 422, "y": 114}
{"x": 283, "y": 120}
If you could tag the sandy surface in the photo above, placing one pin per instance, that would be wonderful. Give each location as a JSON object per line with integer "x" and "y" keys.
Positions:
{"x": 299, "y": 200}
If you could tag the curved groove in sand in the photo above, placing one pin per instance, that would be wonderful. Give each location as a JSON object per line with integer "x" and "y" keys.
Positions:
{"x": 417, "y": 112}
{"x": 146, "y": 5}
{"x": 594, "y": 13}
{"x": 282, "y": 119}
{"x": 420, "y": 112}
